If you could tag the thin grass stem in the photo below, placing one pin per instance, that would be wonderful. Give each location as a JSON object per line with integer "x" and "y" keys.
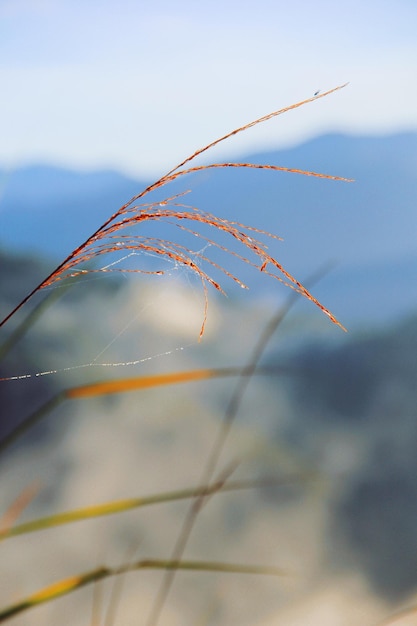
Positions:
{"x": 216, "y": 450}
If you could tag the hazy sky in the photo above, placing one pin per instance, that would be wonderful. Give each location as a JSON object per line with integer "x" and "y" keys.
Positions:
{"x": 138, "y": 85}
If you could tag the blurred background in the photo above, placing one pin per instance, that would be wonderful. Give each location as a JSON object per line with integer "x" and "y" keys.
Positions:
{"x": 100, "y": 100}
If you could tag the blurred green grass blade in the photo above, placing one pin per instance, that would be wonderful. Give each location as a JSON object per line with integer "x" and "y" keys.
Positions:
{"x": 210, "y": 566}
{"x": 53, "y": 591}
{"x": 69, "y": 585}
{"x": 30, "y": 319}
{"x": 120, "y": 506}
{"x": 30, "y": 421}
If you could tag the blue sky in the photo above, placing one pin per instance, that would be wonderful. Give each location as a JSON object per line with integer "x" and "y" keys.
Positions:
{"x": 138, "y": 85}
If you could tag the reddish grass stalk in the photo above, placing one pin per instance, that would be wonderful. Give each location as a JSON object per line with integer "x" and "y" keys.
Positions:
{"x": 107, "y": 239}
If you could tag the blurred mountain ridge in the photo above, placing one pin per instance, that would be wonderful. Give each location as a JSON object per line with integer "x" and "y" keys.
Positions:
{"x": 366, "y": 228}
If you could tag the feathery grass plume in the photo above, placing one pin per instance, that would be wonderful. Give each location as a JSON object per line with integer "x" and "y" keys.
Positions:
{"x": 111, "y": 236}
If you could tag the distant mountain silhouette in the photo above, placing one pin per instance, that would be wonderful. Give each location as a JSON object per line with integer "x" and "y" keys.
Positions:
{"x": 51, "y": 210}
{"x": 367, "y": 227}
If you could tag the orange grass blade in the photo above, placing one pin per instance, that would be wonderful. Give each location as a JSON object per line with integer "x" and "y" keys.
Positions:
{"x": 8, "y": 519}
{"x": 122, "y": 385}
{"x": 145, "y": 382}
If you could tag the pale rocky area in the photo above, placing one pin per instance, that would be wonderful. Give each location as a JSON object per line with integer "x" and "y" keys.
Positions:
{"x": 144, "y": 442}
